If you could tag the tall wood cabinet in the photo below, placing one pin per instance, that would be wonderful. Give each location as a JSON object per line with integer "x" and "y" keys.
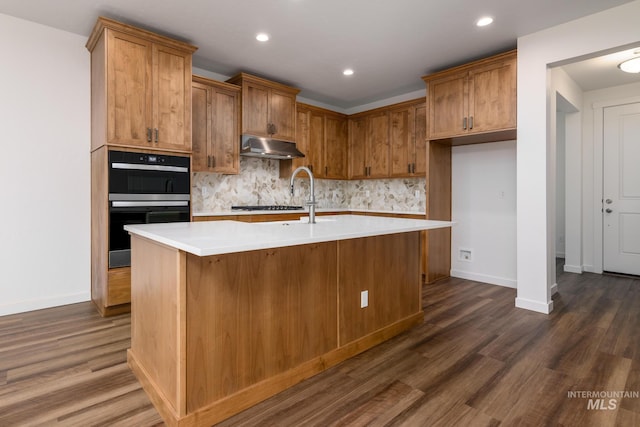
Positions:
{"x": 216, "y": 126}
{"x": 473, "y": 99}
{"x": 140, "y": 88}
{"x": 322, "y": 136}
{"x": 268, "y": 108}
{"x": 140, "y": 101}
{"x": 470, "y": 104}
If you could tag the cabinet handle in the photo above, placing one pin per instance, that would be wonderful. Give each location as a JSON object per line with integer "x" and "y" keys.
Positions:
{"x": 208, "y": 161}
{"x": 326, "y": 170}
{"x": 470, "y": 122}
{"x": 157, "y": 134}
{"x": 148, "y": 134}
{"x": 365, "y": 171}
{"x": 310, "y": 168}
{"x": 213, "y": 161}
{"x": 464, "y": 123}
{"x": 413, "y": 168}
{"x": 408, "y": 167}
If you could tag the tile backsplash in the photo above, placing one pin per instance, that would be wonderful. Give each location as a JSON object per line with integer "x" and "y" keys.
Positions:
{"x": 259, "y": 183}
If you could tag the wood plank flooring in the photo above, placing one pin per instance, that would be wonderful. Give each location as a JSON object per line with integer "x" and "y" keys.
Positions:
{"x": 475, "y": 361}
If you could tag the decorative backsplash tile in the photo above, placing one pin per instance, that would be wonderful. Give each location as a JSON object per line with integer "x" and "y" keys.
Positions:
{"x": 259, "y": 183}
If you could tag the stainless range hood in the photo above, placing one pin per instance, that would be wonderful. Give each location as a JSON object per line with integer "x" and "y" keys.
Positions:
{"x": 268, "y": 148}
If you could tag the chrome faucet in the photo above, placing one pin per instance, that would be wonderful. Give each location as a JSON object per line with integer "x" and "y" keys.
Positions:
{"x": 312, "y": 197}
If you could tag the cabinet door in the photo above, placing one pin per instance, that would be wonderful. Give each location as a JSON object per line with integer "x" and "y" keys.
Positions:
{"x": 282, "y": 115}
{"x": 255, "y": 110}
{"x": 420, "y": 138}
{"x": 316, "y": 141}
{"x": 225, "y": 138}
{"x": 447, "y": 106}
{"x": 201, "y": 127}
{"x": 378, "y": 144}
{"x": 129, "y": 94}
{"x": 492, "y": 96}
{"x": 172, "y": 98}
{"x": 335, "y": 147}
{"x": 302, "y": 139}
{"x": 357, "y": 143}
{"x": 401, "y": 141}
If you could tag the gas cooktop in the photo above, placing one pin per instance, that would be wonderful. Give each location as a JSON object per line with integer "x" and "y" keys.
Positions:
{"x": 267, "y": 208}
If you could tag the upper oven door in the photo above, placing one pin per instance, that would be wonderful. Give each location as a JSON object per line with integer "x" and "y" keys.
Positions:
{"x": 139, "y": 174}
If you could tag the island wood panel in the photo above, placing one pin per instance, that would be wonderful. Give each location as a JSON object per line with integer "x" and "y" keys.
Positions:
{"x": 158, "y": 275}
{"x": 389, "y": 268}
{"x": 438, "y": 247}
{"x": 254, "y": 315}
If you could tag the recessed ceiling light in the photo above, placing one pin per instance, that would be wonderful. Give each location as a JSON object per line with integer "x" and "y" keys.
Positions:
{"x": 348, "y": 72}
{"x": 630, "y": 65}
{"x": 484, "y": 21}
{"x": 262, "y": 37}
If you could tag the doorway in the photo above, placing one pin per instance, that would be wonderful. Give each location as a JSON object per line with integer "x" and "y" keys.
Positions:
{"x": 621, "y": 189}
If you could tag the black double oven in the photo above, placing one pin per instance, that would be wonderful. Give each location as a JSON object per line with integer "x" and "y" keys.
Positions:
{"x": 143, "y": 189}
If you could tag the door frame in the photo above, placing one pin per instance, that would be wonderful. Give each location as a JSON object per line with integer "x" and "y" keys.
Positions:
{"x": 598, "y": 175}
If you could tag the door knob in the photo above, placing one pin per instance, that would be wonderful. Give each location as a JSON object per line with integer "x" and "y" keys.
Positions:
{"x": 608, "y": 210}
{"x": 608, "y": 201}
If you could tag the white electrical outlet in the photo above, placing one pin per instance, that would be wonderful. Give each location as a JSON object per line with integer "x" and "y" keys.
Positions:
{"x": 465, "y": 255}
{"x": 364, "y": 299}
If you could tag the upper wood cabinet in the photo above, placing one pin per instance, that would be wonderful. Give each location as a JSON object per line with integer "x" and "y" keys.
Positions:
{"x": 140, "y": 88}
{"x": 268, "y": 108}
{"x": 322, "y": 136}
{"x": 388, "y": 142}
{"x": 216, "y": 126}
{"x": 407, "y": 136}
{"x": 369, "y": 144}
{"x": 473, "y": 99}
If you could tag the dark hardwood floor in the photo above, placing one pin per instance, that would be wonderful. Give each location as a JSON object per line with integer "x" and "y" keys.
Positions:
{"x": 476, "y": 360}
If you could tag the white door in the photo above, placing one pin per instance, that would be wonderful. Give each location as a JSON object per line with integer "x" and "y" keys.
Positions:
{"x": 621, "y": 189}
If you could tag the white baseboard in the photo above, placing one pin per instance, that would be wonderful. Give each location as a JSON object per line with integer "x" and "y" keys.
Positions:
{"x": 538, "y": 306}
{"x": 38, "y": 304}
{"x": 485, "y": 278}
{"x": 573, "y": 268}
{"x": 554, "y": 289}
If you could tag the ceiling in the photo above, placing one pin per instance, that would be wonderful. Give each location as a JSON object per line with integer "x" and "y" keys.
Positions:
{"x": 389, "y": 44}
{"x": 602, "y": 71}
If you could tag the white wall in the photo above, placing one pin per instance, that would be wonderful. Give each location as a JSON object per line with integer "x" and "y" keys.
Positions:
{"x": 484, "y": 208}
{"x": 612, "y": 28}
{"x": 44, "y": 167}
{"x": 568, "y": 142}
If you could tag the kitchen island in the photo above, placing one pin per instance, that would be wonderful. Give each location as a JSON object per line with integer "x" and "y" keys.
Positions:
{"x": 225, "y": 314}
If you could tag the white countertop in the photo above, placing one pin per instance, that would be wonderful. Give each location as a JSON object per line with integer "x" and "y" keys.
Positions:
{"x": 303, "y": 211}
{"x": 221, "y": 237}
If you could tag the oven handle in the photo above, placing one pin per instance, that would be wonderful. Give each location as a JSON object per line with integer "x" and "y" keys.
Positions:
{"x": 136, "y": 197}
{"x": 139, "y": 204}
{"x": 133, "y": 166}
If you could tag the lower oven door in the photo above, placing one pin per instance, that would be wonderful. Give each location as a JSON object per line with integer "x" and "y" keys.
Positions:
{"x": 121, "y": 214}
